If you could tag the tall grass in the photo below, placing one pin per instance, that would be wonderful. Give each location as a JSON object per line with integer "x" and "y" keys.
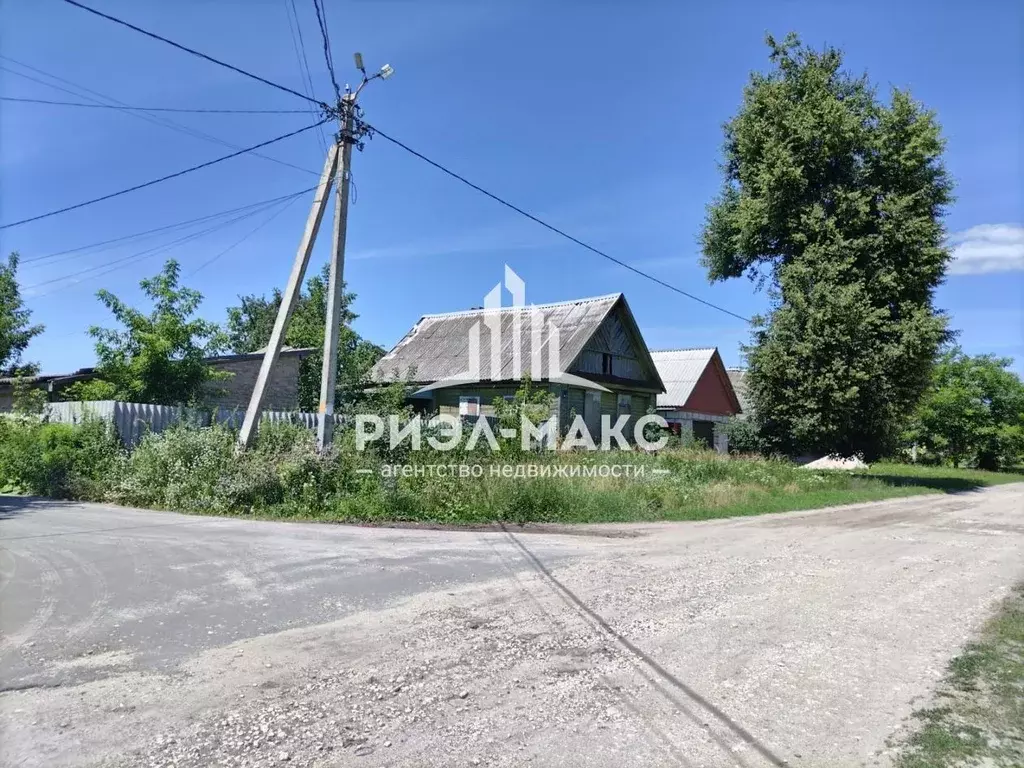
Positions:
{"x": 192, "y": 469}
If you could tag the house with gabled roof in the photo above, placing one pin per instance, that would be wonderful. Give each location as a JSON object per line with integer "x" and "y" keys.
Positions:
{"x": 699, "y": 397}
{"x": 589, "y": 353}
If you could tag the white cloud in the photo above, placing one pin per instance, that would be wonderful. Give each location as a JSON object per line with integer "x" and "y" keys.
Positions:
{"x": 988, "y": 248}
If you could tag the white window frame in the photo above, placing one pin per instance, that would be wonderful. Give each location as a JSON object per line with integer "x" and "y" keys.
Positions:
{"x": 465, "y": 401}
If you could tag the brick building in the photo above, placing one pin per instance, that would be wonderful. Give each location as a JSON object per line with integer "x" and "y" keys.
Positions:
{"x": 233, "y": 392}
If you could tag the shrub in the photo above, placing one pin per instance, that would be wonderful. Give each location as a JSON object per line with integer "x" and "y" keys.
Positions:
{"x": 57, "y": 460}
{"x": 18, "y": 454}
{"x": 744, "y": 437}
{"x": 179, "y": 468}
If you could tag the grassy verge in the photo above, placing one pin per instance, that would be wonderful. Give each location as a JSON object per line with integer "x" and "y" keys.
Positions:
{"x": 695, "y": 486}
{"x": 940, "y": 478}
{"x": 978, "y": 715}
{"x": 756, "y": 487}
{"x": 198, "y": 471}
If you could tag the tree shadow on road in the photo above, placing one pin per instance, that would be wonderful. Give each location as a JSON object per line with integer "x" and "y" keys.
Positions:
{"x": 947, "y": 484}
{"x": 11, "y": 506}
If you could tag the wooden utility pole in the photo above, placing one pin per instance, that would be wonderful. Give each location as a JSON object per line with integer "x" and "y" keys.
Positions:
{"x": 336, "y": 282}
{"x": 291, "y": 295}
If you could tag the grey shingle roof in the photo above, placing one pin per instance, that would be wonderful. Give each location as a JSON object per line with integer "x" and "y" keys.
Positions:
{"x": 437, "y": 347}
{"x": 738, "y": 377}
{"x": 679, "y": 370}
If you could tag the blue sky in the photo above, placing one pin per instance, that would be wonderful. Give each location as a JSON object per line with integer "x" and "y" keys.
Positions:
{"x": 604, "y": 118}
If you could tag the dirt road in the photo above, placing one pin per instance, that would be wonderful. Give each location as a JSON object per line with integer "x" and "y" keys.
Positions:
{"x": 144, "y": 638}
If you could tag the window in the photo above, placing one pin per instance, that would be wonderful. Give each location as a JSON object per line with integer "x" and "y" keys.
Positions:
{"x": 704, "y": 433}
{"x": 606, "y": 364}
{"x": 469, "y": 405}
{"x": 625, "y": 404}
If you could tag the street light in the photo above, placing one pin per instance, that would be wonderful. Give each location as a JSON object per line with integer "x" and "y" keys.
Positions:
{"x": 385, "y": 72}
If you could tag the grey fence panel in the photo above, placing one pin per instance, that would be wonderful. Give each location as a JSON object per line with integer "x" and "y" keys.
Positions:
{"x": 134, "y": 420}
{"x": 76, "y": 412}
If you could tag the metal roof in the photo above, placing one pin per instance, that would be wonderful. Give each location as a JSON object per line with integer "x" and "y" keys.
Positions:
{"x": 679, "y": 370}
{"x": 90, "y": 372}
{"x": 738, "y": 378}
{"x": 437, "y": 347}
{"x": 41, "y": 378}
{"x": 286, "y": 351}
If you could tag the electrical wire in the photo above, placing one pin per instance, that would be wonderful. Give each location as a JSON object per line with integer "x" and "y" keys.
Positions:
{"x": 104, "y": 100}
{"x": 299, "y": 46}
{"x": 194, "y": 52}
{"x": 242, "y": 239}
{"x": 103, "y": 245}
{"x": 553, "y": 228}
{"x": 321, "y": 19}
{"x": 150, "y": 183}
{"x": 107, "y": 267}
{"x": 396, "y": 142}
{"x": 159, "y": 109}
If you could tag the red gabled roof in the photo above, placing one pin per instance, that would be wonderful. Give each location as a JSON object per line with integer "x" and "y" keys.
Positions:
{"x": 696, "y": 380}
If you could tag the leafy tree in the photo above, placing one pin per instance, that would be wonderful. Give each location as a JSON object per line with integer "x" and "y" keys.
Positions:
{"x": 972, "y": 412}
{"x": 15, "y": 331}
{"x": 250, "y": 325}
{"x": 156, "y": 357}
{"x": 833, "y": 199}
{"x": 528, "y": 402}
{"x": 27, "y": 397}
{"x": 744, "y": 436}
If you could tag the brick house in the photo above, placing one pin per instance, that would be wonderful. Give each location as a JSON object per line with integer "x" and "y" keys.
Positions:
{"x": 282, "y": 390}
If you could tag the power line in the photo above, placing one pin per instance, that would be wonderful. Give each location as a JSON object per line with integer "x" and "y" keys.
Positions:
{"x": 321, "y": 19}
{"x": 162, "y": 178}
{"x": 194, "y": 52}
{"x": 396, "y": 142}
{"x": 158, "y": 109}
{"x": 242, "y": 239}
{"x": 299, "y": 46}
{"x": 111, "y": 266}
{"x": 113, "y": 242}
{"x": 102, "y": 99}
{"x": 145, "y": 253}
{"x": 553, "y": 228}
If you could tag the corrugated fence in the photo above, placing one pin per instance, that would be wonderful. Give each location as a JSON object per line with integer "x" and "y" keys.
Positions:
{"x": 133, "y": 420}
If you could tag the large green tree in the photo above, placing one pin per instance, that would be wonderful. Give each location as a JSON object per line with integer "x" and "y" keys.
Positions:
{"x": 833, "y": 199}
{"x": 16, "y": 331}
{"x": 154, "y": 357}
{"x": 250, "y": 324}
{"x": 972, "y": 412}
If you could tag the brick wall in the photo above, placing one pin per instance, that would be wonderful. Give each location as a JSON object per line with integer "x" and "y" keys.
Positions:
{"x": 234, "y": 392}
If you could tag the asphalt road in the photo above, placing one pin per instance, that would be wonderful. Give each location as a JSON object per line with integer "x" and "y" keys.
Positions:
{"x": 144, "y": 638}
